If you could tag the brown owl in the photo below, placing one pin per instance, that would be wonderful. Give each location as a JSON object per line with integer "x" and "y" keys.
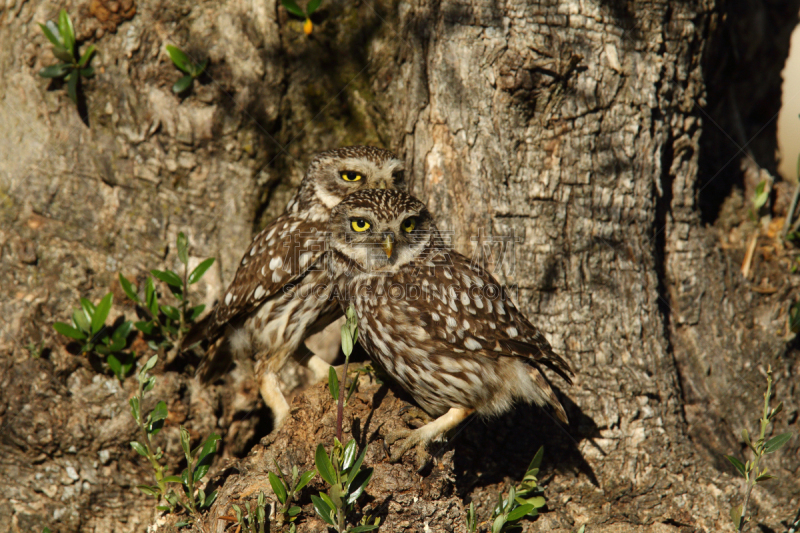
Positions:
{"x": 443, "y": 328}
{"x": 280, "y": 295}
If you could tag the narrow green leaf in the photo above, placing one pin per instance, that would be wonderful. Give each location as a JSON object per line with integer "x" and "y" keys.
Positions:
{"x": 186, "y": 444}
{"x": 323, "y": 509}
{"x": 737, "y": 463}
{"x": 128, "y": 288}
{"x": 150, "y": 297}
{"x": 122, "y": 331}
{"x": 195, "y": 312}
{"x": 499, "y": 522}
{"x": 313, "y": 5}
{"x": 134, "y": 402}
{"x": 333, "y": 383}
{"x": 519, "y": 512}
{"x": 86, "y": 56}
{"x": 775, "y": 443}
{"x": 160, "y": 412}
{"x": 55, "y": 71}
{"x": 736, "y": 516}
{"x": 347, "y": 339}
{"x": 210, "y": 499}
{"x": 171, "y": 312}
{"x": 324, "y": 466}
{"x": 536, "y": 462}
{"x": 199, "y": 270}
{"x": 278, "y": 488}
{"x": 87, "y": 72}
{"x": 304, "y": 480}
{"x": 350, "y": 451}
{"x": 359, "y": 529}
{"x": 764, "y": 477}
{"x": 294, "y": 510}
{"x": 179, "y": 59}
{"x": 115, "y": 365}
{"x": 150, "y": 491}
{"x": 182, "y": 84}
{"x": 68, "y": 331}
{"x": 198, "y": 69}
{"x": 101, "y": 312}
{"x": 88, "y": 308}
{"x": 51, "y": 36}
{"x": 145, "y": 327}
{"x": 167, "y": 276}
{"x": 141, "y": 450}
{"x": 355, "y": 468}
{"x": 183, "y": 248}
{"x": 72, "y": 86}
{"x": 67, "y": 31}
{"x": 778, "y": 408}
{"x": 360, "y": 482}
{"x": 62, "y": 54}
{"x": 172, "y": 479}
{"x": 292, "y": 7}
{"x": 82, "y": 321}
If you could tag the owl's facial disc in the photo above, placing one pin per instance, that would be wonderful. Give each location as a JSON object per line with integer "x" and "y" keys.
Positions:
{"x": 343, "y": 176}
{"x": 376, "y": 244}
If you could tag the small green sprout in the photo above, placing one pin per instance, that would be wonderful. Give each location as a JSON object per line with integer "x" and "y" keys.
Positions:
{"x": 523, "y": 500}
{"x": 88, "y": 327}
{"x": 342, "y": 471}
{"x": 286, "y": 492}
{"x": 62, "y": 37}
{"x": 760, "y": 448}
{"x": 253, "y": 522}
{"x": 198, "y": 461}
{"x": 169, "y": 324}
{"x": 190, "y": 68}
{"x": 292, "y": 7}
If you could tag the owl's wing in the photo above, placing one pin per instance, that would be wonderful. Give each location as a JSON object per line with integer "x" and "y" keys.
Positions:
{"x": 471, "y": 311}
{"x": 279, "y": 256}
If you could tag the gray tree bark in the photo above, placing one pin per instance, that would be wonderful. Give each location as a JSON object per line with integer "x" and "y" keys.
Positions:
{"x": 585, "y": 130}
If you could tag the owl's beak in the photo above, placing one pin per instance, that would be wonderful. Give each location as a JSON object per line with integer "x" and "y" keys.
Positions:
{"x": 388, "y": 246}
{"x": 383, "y": 184}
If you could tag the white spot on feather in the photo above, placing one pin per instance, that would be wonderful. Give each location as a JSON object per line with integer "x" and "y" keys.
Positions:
{"x": 276, "y": 276}
{"x": 451, "y": 322}
{"x": 276, "y": 262}
{"x": 512, "y": 331}
{"x": 305, "y": 258}
{"x": 259, "y": 292}
{"x": 472, "y": 344}
{"x": 228, "y": 298}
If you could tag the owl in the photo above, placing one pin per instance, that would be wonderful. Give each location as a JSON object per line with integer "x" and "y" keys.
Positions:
{"x": 443, "y": 328}
{"x": 279, "y": 295}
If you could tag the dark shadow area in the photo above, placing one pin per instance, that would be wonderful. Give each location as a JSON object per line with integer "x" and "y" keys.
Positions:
{"x": 488, "y": 451}
{"x": 742, "y": 63}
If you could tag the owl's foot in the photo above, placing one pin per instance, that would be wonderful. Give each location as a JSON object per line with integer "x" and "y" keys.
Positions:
{"x": 273, "y": 396}
{"x": 420, "y": 437}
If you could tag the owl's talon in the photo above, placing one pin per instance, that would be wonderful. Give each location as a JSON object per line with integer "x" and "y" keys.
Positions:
{"x": 410, "y": 439}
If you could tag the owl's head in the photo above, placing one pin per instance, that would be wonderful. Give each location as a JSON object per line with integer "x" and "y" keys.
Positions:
{"x": 380, "y": 230}
{"x": 334, "y": 174}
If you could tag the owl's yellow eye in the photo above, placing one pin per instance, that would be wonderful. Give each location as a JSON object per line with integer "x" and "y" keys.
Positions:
{"x": 409, "y": 224}
{"x": 350, "y": 175}
{"x": 359, "y": 225}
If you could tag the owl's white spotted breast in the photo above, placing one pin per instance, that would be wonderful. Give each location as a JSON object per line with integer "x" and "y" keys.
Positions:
{"x": 448, "y": 332}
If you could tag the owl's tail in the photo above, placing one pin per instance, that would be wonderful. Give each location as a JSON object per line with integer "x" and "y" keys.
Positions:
{"x": 547, "y": 392}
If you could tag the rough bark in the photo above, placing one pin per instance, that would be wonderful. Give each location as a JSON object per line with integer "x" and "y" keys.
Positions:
{"x": 584, "y": 130}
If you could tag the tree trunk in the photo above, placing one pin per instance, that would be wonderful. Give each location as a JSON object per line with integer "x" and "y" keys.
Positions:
{"x": 587, "y": 135}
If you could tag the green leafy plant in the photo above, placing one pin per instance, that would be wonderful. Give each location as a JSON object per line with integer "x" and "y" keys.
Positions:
{"x": 759, "y": 200}
{"x": 471, "y": 518}
{"x": 167, "y": 323}
{"x": 198, "y": 461}
{"x": 292, "y": 7}
{"x": 89, "y": 328}
{"x": 190, "y": 68}
{"x": 62, "y": 36}
{"x": 252, "y": 522}
{"x": 342, "y": 471}
{"x": 760, "y": 447}
{"x": 286, "y": 492}
{"x": 522, "y": 501}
